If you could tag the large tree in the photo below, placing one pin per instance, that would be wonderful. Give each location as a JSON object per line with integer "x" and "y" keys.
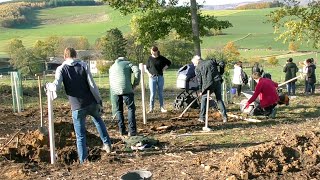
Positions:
{"x": 161, "y": 17}
{"x": 297, "y": 23}
{"x": 113, "y": 45}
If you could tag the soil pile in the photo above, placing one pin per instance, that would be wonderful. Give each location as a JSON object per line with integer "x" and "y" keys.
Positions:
{"x": 286, "y": 155}
{"x": 33, "y": 146}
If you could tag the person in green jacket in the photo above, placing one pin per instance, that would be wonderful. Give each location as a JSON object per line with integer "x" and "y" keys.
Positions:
{"x": 123, "y": 90}
{"x": 291, "y": 70}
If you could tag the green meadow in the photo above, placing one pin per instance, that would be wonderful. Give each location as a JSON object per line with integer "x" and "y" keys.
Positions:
{"x": 250, "y": 30}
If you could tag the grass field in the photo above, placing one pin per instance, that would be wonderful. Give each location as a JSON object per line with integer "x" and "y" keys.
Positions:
{"x": 249, "y": 28}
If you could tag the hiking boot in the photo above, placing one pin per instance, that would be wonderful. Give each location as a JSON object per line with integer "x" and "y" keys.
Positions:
{"x": 163, "y": 110}
{"x": 201, "y": 120}
{"x": 273, "y": 113}
{"x": 107, "y": 148}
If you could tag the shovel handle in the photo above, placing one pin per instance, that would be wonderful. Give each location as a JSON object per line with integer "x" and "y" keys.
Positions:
{"x": 40, "y": 102}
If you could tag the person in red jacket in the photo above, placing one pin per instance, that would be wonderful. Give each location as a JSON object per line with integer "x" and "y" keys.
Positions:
{"x": 266, "y": 89}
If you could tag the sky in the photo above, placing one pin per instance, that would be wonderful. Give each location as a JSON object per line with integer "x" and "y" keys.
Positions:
{"x": 207, "y": 2}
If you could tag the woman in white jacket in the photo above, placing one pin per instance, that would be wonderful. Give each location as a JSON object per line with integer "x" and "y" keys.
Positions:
{"x": 237, "y": 80}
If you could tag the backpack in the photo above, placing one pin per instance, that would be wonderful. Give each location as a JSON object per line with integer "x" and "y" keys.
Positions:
{"x": 244, "y": 77}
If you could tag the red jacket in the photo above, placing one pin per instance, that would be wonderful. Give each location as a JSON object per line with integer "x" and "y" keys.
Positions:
{"x": 266, "y": 89}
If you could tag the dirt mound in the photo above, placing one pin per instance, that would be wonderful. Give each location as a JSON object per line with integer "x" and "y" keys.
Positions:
{"x": 285, "y": 155}
{"x": 33, "y": 146}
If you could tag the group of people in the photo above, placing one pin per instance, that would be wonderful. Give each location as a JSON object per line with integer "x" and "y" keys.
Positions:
{"x": 267, "y": 90}
{"x": 85, "y": 99}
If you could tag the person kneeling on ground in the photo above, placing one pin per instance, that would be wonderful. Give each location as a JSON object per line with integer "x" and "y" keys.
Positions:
{"x": 266, "y": 89}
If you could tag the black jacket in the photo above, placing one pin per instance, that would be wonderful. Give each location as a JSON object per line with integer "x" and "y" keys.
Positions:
{"x": 291, "y": 70}
{"x": 209, "y": 72}
{"x": 311, "y": 75}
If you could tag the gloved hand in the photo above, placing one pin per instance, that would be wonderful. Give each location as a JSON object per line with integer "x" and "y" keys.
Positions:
{"x": 247, "y": 105}
{"x": 50, "y": 87}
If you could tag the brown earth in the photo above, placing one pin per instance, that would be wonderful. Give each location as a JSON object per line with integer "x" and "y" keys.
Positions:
{"x": 276, "y": 149}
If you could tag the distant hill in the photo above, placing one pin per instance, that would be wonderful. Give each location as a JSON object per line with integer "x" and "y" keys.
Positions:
{"x": 234, "y": 5}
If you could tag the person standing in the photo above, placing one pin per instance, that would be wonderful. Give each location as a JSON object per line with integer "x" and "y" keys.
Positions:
{"x": 156, "y": 64}
{"x": 266, "y": 90}
{"x": 311, "y": 76}
{"x": 237, "y": 78}
{"x": 84, "y": 98}
{"x": 209, "y": 75}
{"x": 256, "y": 68}
{"x": 291, "y": 70}
{"x": 120, "y": 84}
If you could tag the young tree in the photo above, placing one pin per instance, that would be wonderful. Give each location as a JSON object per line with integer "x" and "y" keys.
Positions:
{"x": 113, "y": 44}
{"x": 26, "y": 62}
{"x": 231, "y": 51}
{"x": 14, "y": 45}
{"x": 293, "y": 46}
{"x": 297, "y": 23}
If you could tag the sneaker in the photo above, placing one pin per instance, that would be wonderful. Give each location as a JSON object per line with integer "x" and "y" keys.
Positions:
{"x": 163, "y": 110}
{"x": 131, "y": 134}
{"x": 123, "y": 133}
{"x": 201, "y": 120}
{"x": 225, "y": 119}
{"x": 273, "y": 113}
{"x": 107, "y": 148}
{"x": 150, "y": 111}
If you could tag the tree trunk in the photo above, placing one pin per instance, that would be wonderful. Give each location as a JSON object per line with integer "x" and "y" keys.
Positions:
{"x": 195, "y": 27}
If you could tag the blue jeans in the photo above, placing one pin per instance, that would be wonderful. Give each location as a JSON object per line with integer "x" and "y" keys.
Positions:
{"x": 291, "y": 88}
{"x": 216, "y": 89}
{"x": 154, "y": 83}
{"x": 128, "y": 99}
{"x": 79, "y": 120}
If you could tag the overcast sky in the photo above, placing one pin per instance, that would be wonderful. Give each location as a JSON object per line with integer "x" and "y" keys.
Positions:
{"x": 207, "y": 2}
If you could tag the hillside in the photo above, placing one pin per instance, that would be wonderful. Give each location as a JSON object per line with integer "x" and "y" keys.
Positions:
{"x": 249, "y": 30}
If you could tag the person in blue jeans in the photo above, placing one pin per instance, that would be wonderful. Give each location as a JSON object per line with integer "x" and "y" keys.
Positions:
{"x": 122, "y": 89}
{"x": 291, "y": 70}
{"x": 84, "y": 98}
{"x": 209, "y": 75}
{"x": 156, "y": 64}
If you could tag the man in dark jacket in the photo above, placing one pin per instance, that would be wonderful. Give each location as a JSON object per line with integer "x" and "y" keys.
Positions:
{"x": 256, "y": 68}
{"x": 209, "y": 75}
{"x": 311, "y": 76}
{"x": 291, "y": 70}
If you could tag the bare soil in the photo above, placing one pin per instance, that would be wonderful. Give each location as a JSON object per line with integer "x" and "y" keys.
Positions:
{"x": 284, "y": 148}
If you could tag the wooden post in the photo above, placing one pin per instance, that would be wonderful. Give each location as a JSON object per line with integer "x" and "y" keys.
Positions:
{"x": 141, "y": 67}
{"x": 40, "y": 102}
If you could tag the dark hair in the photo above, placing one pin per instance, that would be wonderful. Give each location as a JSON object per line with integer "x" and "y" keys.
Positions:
{"x": 70, "y": 53}
{"x": 309, "y": 61}
{"x": 239, "y": 63}
{"x": 154, "y": 48}
{"x": 290, "y": 60}
{"x": 256, "y": 75}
